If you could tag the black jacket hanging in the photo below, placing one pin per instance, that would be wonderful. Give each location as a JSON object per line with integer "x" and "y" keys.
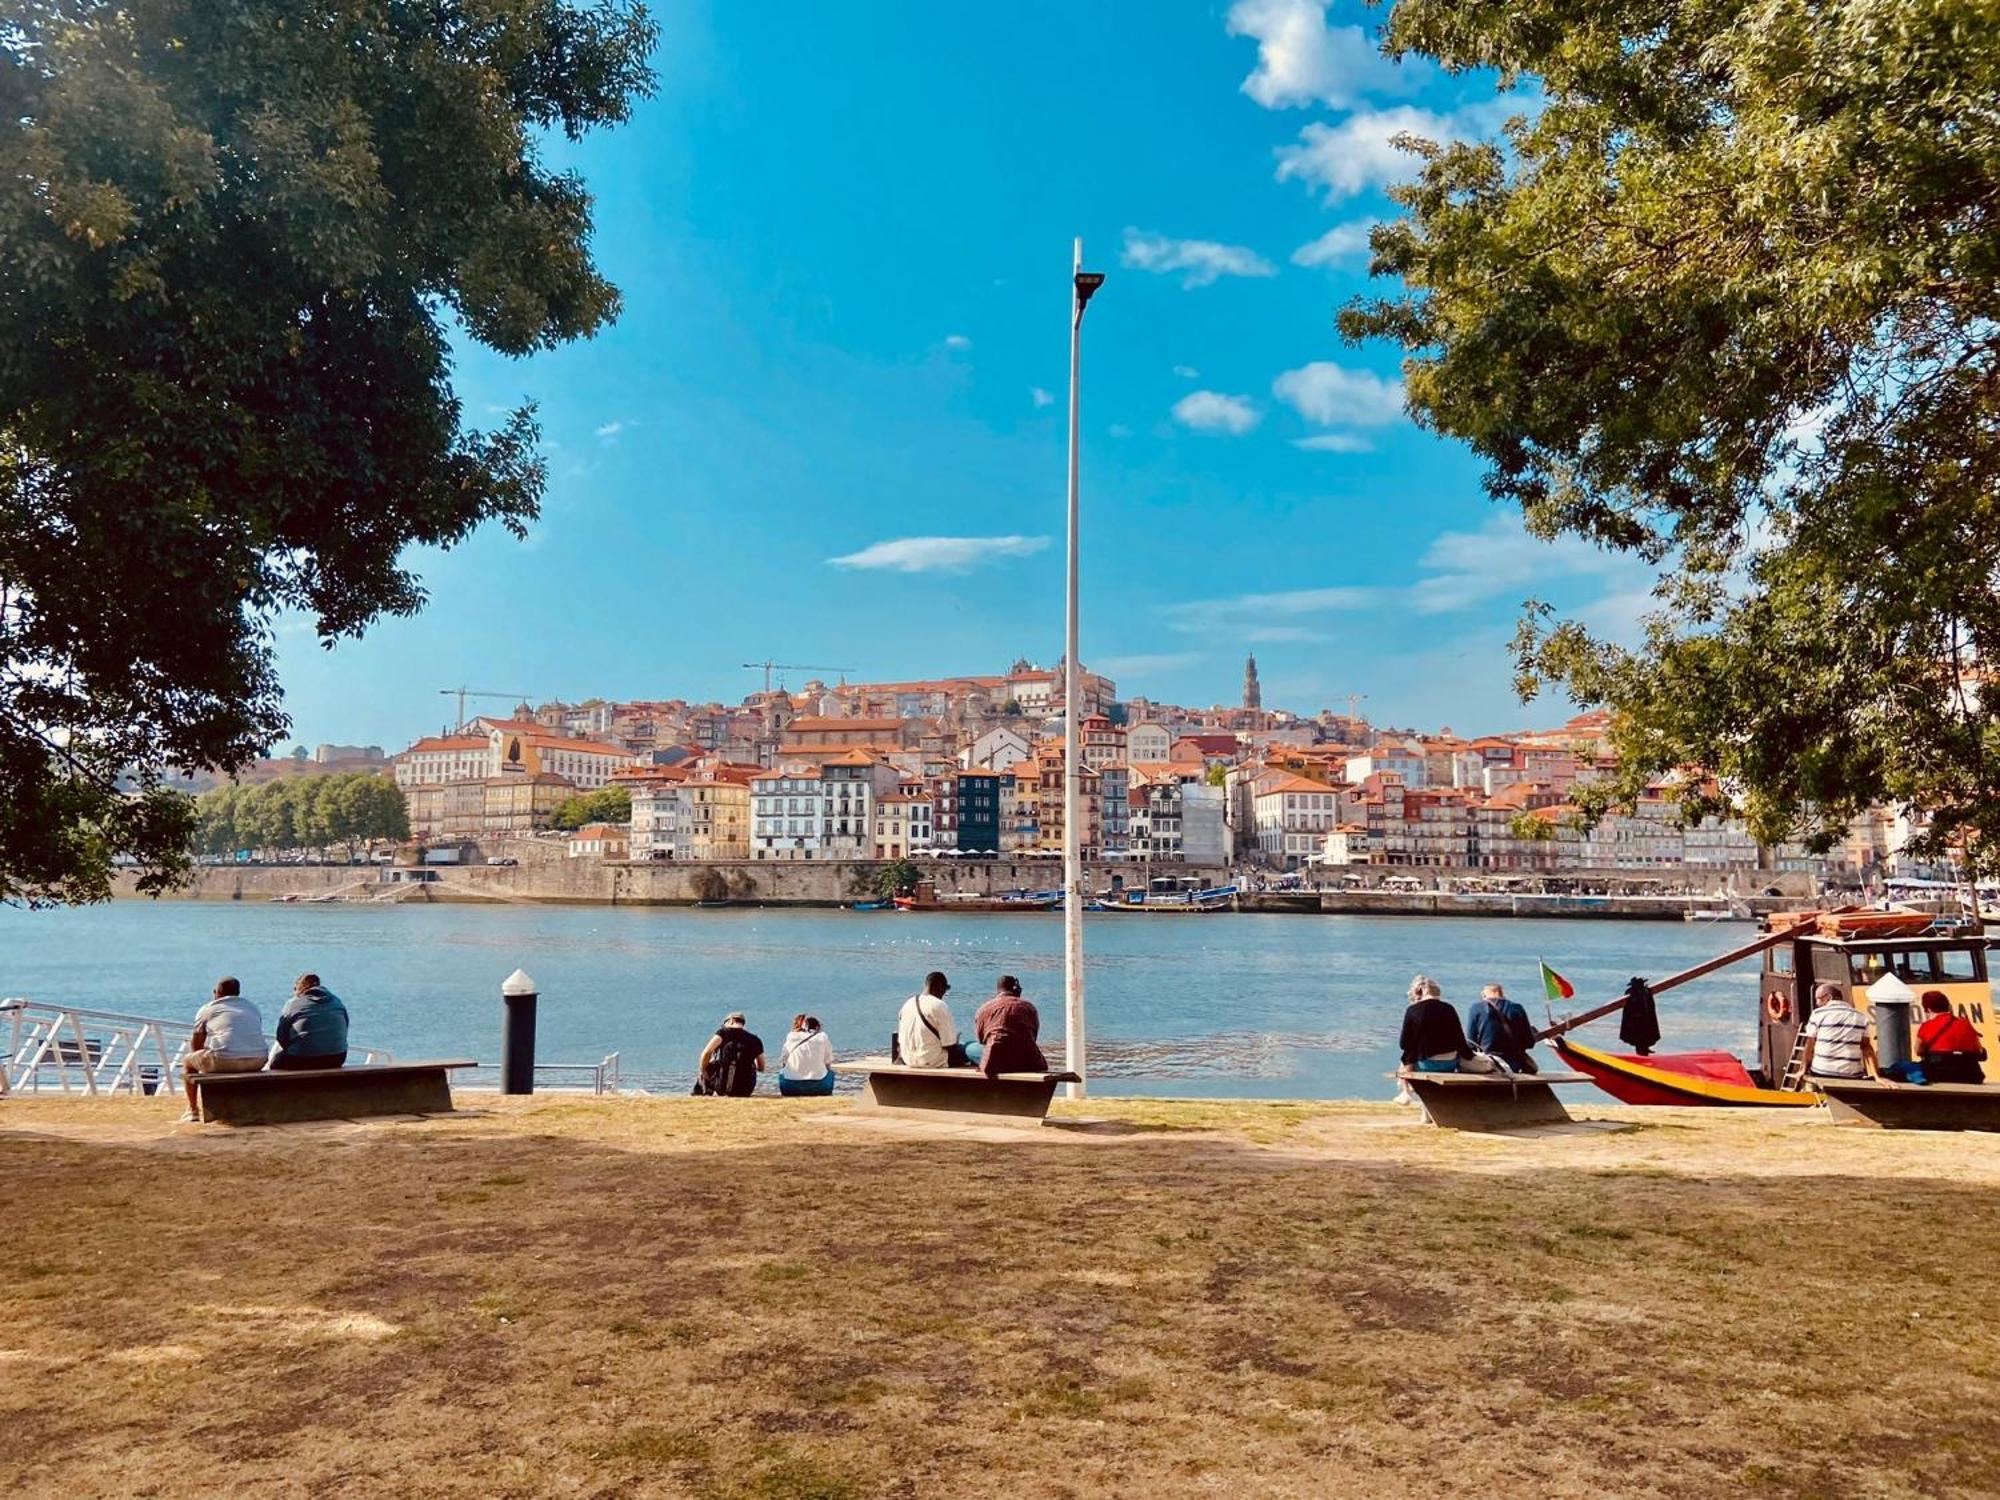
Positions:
{"x": 1639, "y": 1023}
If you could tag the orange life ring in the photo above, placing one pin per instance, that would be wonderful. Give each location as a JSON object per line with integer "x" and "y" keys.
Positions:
{"x": 1777, "y": 1007}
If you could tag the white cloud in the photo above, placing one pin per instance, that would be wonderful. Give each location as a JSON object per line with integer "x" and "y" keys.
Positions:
{"x": 1302, "y": 60}
{"x": 1340, "y": 243}
{"x": 1041, "y": 398}
{"x": 609, "y": 431}
{"x": 957, "y": 341}
{"x": 1266, "y": 617}
{"x": 1186, "y": 372}
{"x": 1118, "y": 430}
{"x": 1211, "y": 411}
{"x": 1465, "y": 568}
{"x": 1330, "y": 395}
{"x": 1334, "y": 442}
{"x": 939, "y": 554}
{"x": 1359, "y": 153}
{"x": 1203, "y": 261}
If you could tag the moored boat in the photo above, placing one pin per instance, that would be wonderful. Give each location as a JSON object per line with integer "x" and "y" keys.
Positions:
{"x": 926, "y": 898}
{"x": 1677, "y": 1078}
{"x": 1848, "y": 948}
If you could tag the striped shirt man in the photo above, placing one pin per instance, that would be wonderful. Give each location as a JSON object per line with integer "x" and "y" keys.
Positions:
{"x": 1838, "y": 1037}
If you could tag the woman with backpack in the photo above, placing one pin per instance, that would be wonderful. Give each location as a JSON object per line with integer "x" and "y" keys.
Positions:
{"x": 732, "y": 1059}
{"x": 806, "y": 1064}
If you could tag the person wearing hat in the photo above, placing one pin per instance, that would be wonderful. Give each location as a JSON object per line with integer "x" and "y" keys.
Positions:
{"x": 925, "y": 1031}
{"x": 732, "y": 1059}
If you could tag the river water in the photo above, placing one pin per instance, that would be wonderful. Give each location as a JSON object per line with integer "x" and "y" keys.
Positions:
{"x": 1276, "y": 1006}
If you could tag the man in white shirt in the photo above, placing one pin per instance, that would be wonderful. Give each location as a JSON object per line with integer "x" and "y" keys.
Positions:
{"x": 925, "y": 1029}
{"x": 1837, "y": 1040}
{"x": 228, "y": 1038}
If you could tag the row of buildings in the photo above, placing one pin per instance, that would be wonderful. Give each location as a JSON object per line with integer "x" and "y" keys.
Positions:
{"x": 974, "y": 766}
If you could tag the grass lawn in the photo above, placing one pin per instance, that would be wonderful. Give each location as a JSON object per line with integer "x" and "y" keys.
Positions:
{"x": 777, "y": 1300}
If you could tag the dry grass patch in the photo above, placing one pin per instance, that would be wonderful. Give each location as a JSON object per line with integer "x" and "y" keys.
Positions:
{"x": 742, "y": 1301}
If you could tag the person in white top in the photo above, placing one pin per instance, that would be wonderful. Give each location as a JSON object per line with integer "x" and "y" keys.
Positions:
{"x": 925, "y": 1032}
{"x": 806, "y": 1064}
{"x": 228, "y": 1038}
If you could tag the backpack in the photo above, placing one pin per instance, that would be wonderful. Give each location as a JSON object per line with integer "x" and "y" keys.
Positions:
{"x": 733, "y": 1069}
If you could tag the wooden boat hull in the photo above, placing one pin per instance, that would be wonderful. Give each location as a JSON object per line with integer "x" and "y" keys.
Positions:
{"x": 1673, "y": 1080}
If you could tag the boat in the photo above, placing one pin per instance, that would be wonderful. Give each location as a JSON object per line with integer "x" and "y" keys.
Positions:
{"x": 1850, "y": 947}
{"x": 886, "y": 904}
{"x": 1197, "y": 901}
{"x": 1734, "y": 911}
{"x": 1677, "y": 1078}
{"x": 926, "y": 898}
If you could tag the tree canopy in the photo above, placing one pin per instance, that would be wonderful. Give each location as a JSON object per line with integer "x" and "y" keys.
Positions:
{"x": 609, "y": 804}
{"x": 301, "y": 812}
{"x": 1727, "y": 300}
{"x": 235, "y": 242}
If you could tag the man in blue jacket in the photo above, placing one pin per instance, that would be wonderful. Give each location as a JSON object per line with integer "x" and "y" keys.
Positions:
{"x": 312, "y": 1028}
{"x": 1500, "y": 1028}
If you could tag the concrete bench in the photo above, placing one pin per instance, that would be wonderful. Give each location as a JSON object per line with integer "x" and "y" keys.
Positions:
{"x": 1011, "y": 1098}
{"x": 1489, "y": 1101}
{"x": 1881, "y": 1105}
{"x": 276, "y": 1098}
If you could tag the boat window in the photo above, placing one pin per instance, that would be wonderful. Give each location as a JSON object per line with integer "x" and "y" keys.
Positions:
{"x": 1778, "y": 960}
{"x": 1868, "y": 967}
{"x": 1959, "y": 965}
{"x": 1917, "y": 966}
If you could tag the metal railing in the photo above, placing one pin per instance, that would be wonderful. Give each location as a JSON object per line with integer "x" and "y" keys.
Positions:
{"x": 603, "y": 1077}
{"x": 70, "y": 1049}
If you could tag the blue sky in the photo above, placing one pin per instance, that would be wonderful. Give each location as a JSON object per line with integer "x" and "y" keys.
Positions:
{"x": 843, "y": 238}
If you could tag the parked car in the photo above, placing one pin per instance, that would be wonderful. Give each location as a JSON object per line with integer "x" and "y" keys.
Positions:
{"x": 502, "y": 859}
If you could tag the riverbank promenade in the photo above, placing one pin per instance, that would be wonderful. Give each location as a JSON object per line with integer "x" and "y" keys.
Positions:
{"x": 786, "y": 1299}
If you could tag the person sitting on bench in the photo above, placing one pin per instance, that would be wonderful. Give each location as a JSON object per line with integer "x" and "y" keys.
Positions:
{"x": 926, "y": 1035}
{"x": 1433, "y": 1041}
{"x": 1948, "y": 1045}
{"x": 1500, "y": 1028}
{"x": 228, "y": 1038}
{"x": 1009, "y": 1029}
{"x": 806, "y": 1064}
{"x": 312, "y": 1029}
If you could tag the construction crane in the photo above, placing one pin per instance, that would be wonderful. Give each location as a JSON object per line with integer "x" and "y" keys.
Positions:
{"x": 462, "y": 693}
{"x": 1354, "y": 702}
{"x": 768, "y": 667}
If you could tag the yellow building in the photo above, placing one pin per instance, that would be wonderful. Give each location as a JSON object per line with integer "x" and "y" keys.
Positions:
{"x": 716, "y": 822}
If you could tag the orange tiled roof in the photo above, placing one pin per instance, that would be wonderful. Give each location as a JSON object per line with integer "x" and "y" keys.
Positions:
{"x": 441, "y": 742}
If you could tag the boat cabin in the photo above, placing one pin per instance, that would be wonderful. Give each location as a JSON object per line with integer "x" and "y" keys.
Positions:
{"x": 1853, "y": 950}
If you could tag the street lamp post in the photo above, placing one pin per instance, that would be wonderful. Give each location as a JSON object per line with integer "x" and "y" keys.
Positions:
{"x": 1082, "y": 284}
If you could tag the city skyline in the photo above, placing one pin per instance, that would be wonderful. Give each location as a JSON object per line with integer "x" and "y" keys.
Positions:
{"x": 833, "y": 407}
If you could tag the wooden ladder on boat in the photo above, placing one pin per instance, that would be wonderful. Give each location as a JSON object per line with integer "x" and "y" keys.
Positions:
{"x": 1795, "y": 1070}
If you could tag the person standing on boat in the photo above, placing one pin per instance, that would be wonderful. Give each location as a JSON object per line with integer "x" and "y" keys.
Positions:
{"x": 1433, "y": 1041}
{"x": 926, "y": 1035}
{"x": 1837, "y": 1040}
{"x": 1947, "y": 1045}
{"x": 1500, "y": 1028}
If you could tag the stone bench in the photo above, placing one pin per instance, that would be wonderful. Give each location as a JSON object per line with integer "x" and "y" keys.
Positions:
{"x": 1011, "y": 1098}
{"x": 276, "y": 1098}
{"x": 1879, "y": 1104}
{"x": 1489, "y": 1101}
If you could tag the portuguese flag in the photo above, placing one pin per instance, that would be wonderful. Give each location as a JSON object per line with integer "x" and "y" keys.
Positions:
{"x": 1556, "y": 987}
